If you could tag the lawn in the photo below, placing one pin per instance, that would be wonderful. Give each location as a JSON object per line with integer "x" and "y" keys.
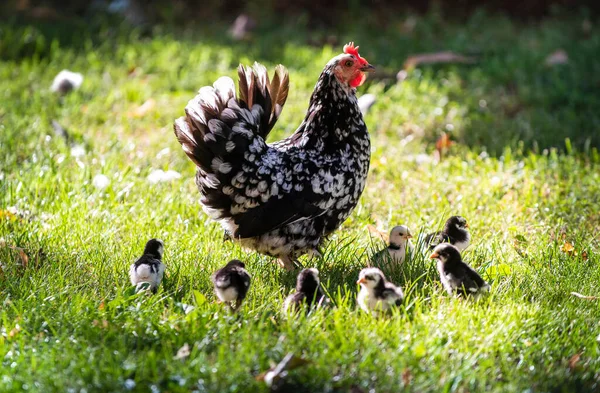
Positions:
{"x": 524, "y": 170}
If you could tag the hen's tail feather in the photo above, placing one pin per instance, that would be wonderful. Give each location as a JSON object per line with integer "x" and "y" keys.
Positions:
{"x": 279, "y": 91}
{"x": 255, "y": 88}
{"x": 200, "y": 136}
{"x": 223, "y": 135}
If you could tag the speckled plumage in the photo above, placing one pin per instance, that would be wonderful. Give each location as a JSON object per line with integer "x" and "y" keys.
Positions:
{"x": 280, "y": 199}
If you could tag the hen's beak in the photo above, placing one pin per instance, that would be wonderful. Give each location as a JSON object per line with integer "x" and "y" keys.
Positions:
{"x": 361, "y": 281}
{"x": 466, "y": 225}
{"x": 367, "y": 68}
{"x": 434, "y": 255}
{"x": 409, "y": 236}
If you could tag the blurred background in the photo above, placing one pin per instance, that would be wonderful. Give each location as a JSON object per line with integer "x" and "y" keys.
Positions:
{"x": 489, "y": 74}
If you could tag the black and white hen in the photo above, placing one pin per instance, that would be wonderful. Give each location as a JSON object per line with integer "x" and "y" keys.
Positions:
{"x": 455, "y": 232}
{"x": 281, "y": 199}
{"x": 457, "y": 277}
{"x": 149, "y": 269}
{"x": 308, "y": 292}
{"x": 232, "y": 283}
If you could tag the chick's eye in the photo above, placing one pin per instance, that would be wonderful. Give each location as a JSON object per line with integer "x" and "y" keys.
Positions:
{"x": 349, "y": 63}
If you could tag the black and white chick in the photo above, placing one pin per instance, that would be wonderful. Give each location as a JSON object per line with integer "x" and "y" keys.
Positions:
{"x": 457, "y": 277}
{"x": 232, "y": 283}
{"x": 396, "y": 251}
{"x": 308, "y": 292}
{"x": 376, "y": 293}
{"x": 149, "y": 269}
{"x": 455, "y": 232}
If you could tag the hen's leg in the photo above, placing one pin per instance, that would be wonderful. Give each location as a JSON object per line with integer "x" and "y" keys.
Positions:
{"x": 286, "y": 262}
{"x": 315, "y": 253}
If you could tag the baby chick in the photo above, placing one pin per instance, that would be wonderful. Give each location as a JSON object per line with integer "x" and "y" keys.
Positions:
{"x": 396, "y": 251}
{"x": 308, "y": 292}
{"x": 376, "y": 293}
{"x": 149, "y": 269}
{"x": 455, "y": 232}
{"x": 231, "y": 283}
{"x": 457, "y": 277}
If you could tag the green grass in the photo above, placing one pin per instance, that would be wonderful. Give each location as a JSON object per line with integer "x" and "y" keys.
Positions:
{"x": 525, "y": 171}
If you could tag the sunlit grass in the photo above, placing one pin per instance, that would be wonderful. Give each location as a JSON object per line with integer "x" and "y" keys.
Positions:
{"x": 70, "y": 322}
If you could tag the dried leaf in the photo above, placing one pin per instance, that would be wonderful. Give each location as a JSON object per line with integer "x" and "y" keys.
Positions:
{"x": 406, "y": 377}
{"x": 183, "y": 352}
{"x": 103, "y": 324}
{"x": 143, "y": 109}
{"x": 573, "y": 361}
{"x": 9, "y": 215}
{"x": 557, "y": 57}
{"x": 14, "y": 331}
{"x": 22, "y": 257}
{"x": 568, "y": 249}
{"x": 442, "y": 144}
{"x": 279, "y": 371}
{"x": 437, "y": 57}
{"x": 579, "y": 295}
{"x": 376, "y": 232}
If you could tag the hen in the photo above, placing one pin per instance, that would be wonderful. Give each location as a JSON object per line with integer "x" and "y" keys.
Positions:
{"x": 281, "y": 199}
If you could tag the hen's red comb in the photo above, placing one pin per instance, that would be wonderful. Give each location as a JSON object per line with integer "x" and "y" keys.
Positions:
{"x": 350, "y": 49}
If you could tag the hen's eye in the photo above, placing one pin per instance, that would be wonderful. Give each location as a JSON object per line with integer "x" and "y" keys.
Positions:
{"x": 349, "y": 63}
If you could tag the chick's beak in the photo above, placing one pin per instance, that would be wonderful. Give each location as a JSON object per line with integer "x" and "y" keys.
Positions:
{"x": 466, "y": 225}
{"x": 434, "y": 255}
{"x": 361, "y": 281}
{"x": 367, "y": 68}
